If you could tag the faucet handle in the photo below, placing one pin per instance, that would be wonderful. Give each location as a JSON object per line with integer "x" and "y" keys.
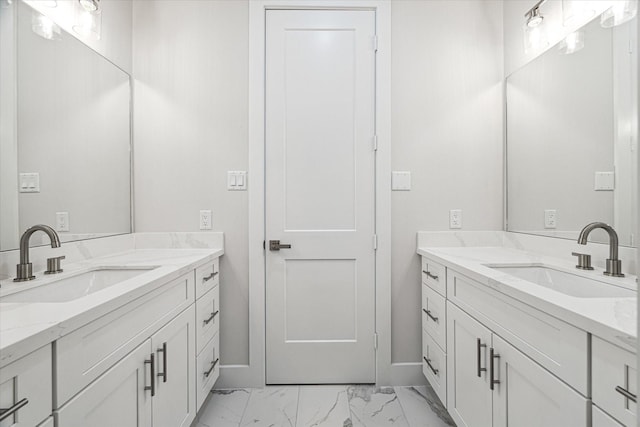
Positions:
{"x": 584, "y": 261}
{"x": 53, "y": 265}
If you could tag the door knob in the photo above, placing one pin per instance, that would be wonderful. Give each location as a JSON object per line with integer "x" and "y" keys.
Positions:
{"x": 275, "y": 245}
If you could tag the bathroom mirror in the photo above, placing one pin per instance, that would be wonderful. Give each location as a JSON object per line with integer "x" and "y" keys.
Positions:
{"x": 572, "y": 136}
{"x": 65, "y": 145}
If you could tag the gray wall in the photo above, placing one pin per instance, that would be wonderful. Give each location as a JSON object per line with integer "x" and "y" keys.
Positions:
{"x": 191, "y": 116}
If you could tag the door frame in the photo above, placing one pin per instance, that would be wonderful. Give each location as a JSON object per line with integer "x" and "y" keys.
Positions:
{"x": 254, "y": 374}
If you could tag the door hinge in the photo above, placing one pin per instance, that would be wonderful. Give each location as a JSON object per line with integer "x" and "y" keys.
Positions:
{"x": 375, "y": 142}
{"x": 375, "y": 242}
{"x": 264, "y": 245}
{"x": 375, "y": 43}
{"x": 375, "y": 341}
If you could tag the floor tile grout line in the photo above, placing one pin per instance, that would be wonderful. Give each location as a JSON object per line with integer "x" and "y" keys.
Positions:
{"x": 245, "y": 406}
{"x": 297, "y": 405}
{"x": 404, "y": 413}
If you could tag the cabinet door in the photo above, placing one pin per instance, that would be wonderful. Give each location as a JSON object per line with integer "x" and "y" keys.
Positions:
{"x": 117, "y": 398}
{"x": 174, "y": 404}
{"x": 529, "y": 395}
{"x": 468, "y": 394}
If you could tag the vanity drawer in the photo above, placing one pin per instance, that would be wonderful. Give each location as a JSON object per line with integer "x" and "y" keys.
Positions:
{"x": 28, "y": 379}
{"x": 554, "y": 344}
{"x": 434, "y": 275}
{"x": 614, "y": 367}
{"x": 207, "y": 317}
{"x": 86, "y": 353}
{"x": 207, "y": 369}
{"x": 434, "y": 317}
{"x": 207, "y": 277}
{"x": 434, "y": 366}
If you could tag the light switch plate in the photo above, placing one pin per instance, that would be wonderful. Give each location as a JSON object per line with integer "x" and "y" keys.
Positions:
{"x": 605, "y": 181}
{"x": 62, "y": 221}
{"x": 29, "y": 182}
{"x": 401, "y": 180}
{"x": 237, "y": 180}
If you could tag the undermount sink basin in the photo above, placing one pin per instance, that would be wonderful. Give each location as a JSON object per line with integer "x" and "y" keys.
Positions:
{"x": 77, "y": 286}
{"x": 566, "y": 283}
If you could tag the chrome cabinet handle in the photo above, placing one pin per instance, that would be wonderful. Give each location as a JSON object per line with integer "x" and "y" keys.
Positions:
{"x": 275, "y": 245}
{"x": 430, "y": 274}
{"x": 213, "y": 366}
{"x": 480, "y": 346}
{"x": 626, "y": 393}
{"x": 428, "y": 312}
{"x": 435, "y": 371}
{"x": 6, "y": 413}
{"x": 209, "y": 277}
{"x": 163, "y": 375}
{"x": 214, "y": 314}
{"x": 152, "y": 387}
{"x": 492, "y": 356}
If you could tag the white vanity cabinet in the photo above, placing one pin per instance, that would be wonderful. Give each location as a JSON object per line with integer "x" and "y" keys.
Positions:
{"x": 491, "y": 383}
{"x": 207, "y": 330}
{"x": 434, "y": 327}
{"x": 614, "y": 383}
{"x": 507, "y": 363}
{"x": 143, "y": 364}
{"x": 26, "y": 390}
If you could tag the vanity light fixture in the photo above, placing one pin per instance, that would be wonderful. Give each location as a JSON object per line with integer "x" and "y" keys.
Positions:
{"x": 572, "y": 43}
{"x": 44, "y": 26}
{"x": 622, "y": 11}
{"x": 535, "y": 33}
{"x": 88, "y": 18}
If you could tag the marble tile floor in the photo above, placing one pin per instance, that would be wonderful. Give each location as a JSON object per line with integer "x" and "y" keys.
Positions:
{"x": 324, "y": 406}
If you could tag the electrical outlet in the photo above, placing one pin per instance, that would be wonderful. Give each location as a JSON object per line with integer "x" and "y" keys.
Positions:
{"x": 455, "y": 218}
{"x": 205, "y": 220}
{"x": 550, "y": 218}
{"x": 62, "y": 221}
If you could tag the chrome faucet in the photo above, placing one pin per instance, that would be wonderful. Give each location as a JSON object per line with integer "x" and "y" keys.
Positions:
{"x": 614, "y": 265}
{"x": 24, "y": 270}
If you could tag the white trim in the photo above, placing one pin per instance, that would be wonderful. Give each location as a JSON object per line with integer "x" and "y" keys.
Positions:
{"x": 253, "y": 375}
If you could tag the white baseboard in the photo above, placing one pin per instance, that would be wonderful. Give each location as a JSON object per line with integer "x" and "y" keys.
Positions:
{"x": 238, "y": 376}
{"x": 242, "y": 376}
{"x": 406, "y": 374}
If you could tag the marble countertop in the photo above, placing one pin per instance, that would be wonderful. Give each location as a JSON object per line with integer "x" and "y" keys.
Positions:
{"x": 613, "y": 319}
{"x": 25, "y": 327}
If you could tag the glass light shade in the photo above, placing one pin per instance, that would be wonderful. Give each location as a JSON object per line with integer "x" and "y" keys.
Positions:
{"x": 44, "y": 26}
{"x": 48, "y": 3}
{"x": 572, "y": 43}
{"x": 576, "y": 12}
{"x": 87, "y": 23}
{"x": 621, "y": 12}
{"x": 535, "y": 38}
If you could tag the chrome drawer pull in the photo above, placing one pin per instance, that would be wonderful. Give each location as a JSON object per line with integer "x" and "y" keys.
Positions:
{"x": 152, "y": 387}
{"x": 626, "y": 393}
{"x": 479, "y": 347}
{"x": 163, "y": 349}
{"x": 209, "y": 277}
{"x": 206, "y": 321}
{"x": 435, "y": 371}
{"x": 428, "y": 312}
{"x": 492, "y": 356}
{"x": 428, "y": 273}
{"x": 6, "y": 413}
{"x": 213, "y": 366}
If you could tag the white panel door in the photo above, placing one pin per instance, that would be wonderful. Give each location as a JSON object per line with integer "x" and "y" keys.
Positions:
{"x": 174, "y": 404}
{"x": 320, "y": 104}
{"x": 469, "y": 399}
{"x": 529, "y": 395}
